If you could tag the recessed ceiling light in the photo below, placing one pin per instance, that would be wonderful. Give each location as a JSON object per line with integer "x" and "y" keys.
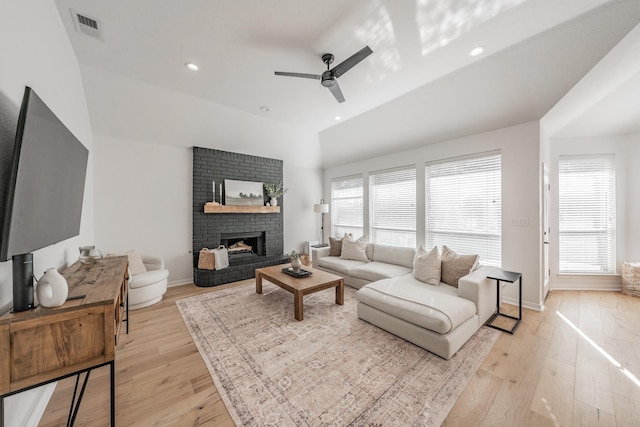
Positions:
{"x": 265, "y": 108}
{"x": 191, "y": 66}
{"x": 476, "y": 51}
{"x": 337, "y": 118}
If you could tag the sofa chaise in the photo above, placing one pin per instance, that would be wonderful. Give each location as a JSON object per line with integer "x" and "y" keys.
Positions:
{"x": 439, "y": 318}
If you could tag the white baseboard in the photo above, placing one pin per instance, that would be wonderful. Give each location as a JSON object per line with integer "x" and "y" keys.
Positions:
{"x": 27, "y": 408}
{"x": 180, "y": 282}
{"x": 582, "y": 287}
{"x": 525, "y": 304}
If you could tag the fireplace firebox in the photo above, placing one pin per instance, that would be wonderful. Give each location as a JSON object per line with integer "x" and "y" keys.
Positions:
{"x": 243, "y": 246}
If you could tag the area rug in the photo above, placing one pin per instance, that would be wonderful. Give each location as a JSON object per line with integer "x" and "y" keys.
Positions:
{"x": 329, "y": 369}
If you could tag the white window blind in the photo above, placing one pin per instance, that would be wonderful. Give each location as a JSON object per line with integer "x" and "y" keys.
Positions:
{"x": 464, "y": 206}
{"x": 587, "y": 214}
{"x": 392, "y": 212}
{"x": 346, "y": 206}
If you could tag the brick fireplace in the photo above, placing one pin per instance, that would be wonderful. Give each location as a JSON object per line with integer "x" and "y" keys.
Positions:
{"x": 263, "y": 232}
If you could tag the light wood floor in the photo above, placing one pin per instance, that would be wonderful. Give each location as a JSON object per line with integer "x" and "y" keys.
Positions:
{"x": 549, "y": 373}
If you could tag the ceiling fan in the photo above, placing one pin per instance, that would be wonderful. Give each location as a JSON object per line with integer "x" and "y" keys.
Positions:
{"x": 328, "y": 78}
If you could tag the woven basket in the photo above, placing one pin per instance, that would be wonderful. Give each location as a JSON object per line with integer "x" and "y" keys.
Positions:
{"x": 206, "y": 260}
{"x": 631, "y": 278}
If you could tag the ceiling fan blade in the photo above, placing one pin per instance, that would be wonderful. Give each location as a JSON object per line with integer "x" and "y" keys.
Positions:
{"x": 350, "y": 62}
{"x": 335, "y": 90}
{"x": 306, "y": 76}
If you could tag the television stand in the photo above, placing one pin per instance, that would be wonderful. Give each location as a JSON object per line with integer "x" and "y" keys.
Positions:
{"x": 44, "y": 345}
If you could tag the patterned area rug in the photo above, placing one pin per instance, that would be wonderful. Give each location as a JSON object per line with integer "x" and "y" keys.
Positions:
{"x": 330, "y": 369}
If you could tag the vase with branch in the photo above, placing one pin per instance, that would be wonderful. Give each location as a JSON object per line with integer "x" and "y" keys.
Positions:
{"x": 296, "y": 264}
{"x": 274, "y": 191}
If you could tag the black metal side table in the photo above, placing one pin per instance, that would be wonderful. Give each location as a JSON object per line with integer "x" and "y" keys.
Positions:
{"x": 500, "y": 275}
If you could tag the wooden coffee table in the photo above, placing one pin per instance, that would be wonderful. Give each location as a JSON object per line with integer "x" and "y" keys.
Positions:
{"x": 300, "y": 286}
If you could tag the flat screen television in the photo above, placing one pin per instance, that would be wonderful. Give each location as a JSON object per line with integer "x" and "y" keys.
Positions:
{"x": 46, "y": 185}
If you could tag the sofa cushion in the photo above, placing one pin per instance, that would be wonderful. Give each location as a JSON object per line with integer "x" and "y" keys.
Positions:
{"x": 354, "y": 249}
{"x": 455, "y": 266}
{"x": 394, "y": 255}
{"x": 341, "y": 266}
{"x": 438, "y": 309}
{"x": 378, "y": 270}
{"x": 426, "y": 266}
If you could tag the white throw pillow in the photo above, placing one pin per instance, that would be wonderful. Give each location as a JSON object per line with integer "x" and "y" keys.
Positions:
{"x": 136, "y": 266}
{"x": 426, "y": 266}
{"x": 354, "y": 249}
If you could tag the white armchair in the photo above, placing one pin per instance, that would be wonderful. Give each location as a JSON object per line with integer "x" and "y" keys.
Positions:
{"x": 147, "y": 288}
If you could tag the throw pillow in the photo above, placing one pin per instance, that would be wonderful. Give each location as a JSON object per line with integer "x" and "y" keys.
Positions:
{"x": 426, "y": 266}
{"x": 335, "y": 246}
{"x": 455, "y": 266}
{"x": 136, "y": 266}
{"x": 354, "y": 249}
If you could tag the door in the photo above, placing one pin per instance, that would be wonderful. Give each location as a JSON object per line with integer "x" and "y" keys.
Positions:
{"x": 545, "y": 230}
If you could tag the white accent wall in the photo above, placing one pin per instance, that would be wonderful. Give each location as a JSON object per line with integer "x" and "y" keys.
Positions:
{"x": 520, "y": 149}
{"x": 143, "y": 180}
{"x": 36, "y": 52}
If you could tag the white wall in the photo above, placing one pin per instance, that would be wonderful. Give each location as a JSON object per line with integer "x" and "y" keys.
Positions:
{"x": 35, "y": 51}
{"x": 632, "y": 196}
{"x": 143, "y": 180}
{"x": 520, "y": 150}
{"x": 627, "y": 154}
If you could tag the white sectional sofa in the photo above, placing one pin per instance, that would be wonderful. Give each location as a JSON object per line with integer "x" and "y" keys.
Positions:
{"x": 382, "y": 262}
{"x": 439, "y": 318}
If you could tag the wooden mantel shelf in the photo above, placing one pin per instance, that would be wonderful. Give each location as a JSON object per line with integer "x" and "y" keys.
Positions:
{"x": 221, "y": 209}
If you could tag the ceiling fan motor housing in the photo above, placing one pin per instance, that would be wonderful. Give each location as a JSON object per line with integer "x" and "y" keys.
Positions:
{"x": 327, "y": 79}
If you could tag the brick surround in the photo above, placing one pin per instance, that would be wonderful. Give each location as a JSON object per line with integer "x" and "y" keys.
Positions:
{"x": 215, "y": 165}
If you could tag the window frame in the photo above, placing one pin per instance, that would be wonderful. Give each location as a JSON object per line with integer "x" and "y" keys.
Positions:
{"x": 593, "y": 191}
{"x": 459, "y": 235}
{"x": 335, "y": 210}
{"x": 382, "y": 231}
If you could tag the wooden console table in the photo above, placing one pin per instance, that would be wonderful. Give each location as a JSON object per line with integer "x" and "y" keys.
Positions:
{"x": 45, "y": 345}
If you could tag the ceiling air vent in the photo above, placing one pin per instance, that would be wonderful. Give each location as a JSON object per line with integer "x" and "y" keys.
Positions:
{"x": 86, "y": 25}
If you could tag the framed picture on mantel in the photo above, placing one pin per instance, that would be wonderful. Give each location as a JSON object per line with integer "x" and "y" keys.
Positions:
{"x": 243, "y": 193}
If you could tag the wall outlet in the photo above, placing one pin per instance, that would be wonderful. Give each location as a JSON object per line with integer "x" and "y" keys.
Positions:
{"x": 521, "y": 221}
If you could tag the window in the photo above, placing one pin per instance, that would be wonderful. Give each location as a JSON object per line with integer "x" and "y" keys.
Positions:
{"x": 392, "y": 212}
{"x": 587, "y": 214}
{"x": 463, "y": 206}
{"x": 346, "y": 206}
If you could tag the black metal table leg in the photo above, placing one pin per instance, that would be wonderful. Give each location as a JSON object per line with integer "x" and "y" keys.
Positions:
{"x": 75, "y": 406}
{"x": 127, "y": 313}
{"x": 75, "y": 403}
{"x": 112, "y": 367}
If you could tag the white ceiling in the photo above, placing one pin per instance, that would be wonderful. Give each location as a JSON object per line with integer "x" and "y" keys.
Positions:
{"x": 536, "y": 50}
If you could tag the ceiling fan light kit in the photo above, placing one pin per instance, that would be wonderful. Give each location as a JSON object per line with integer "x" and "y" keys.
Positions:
{"x": 328, "y": 78}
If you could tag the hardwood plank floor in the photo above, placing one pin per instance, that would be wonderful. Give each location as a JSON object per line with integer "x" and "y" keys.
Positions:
{"x": 575, "y": 364}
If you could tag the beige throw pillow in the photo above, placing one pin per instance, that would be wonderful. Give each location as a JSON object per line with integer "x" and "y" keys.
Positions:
{"x": 426, "y": 266}
{"x": 354, "y": 249}
{"x": 455, "y": 266}
{"x": 136, "y": 266}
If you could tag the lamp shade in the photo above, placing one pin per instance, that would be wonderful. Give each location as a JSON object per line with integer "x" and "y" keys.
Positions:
{"x": 321, "y": 208}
